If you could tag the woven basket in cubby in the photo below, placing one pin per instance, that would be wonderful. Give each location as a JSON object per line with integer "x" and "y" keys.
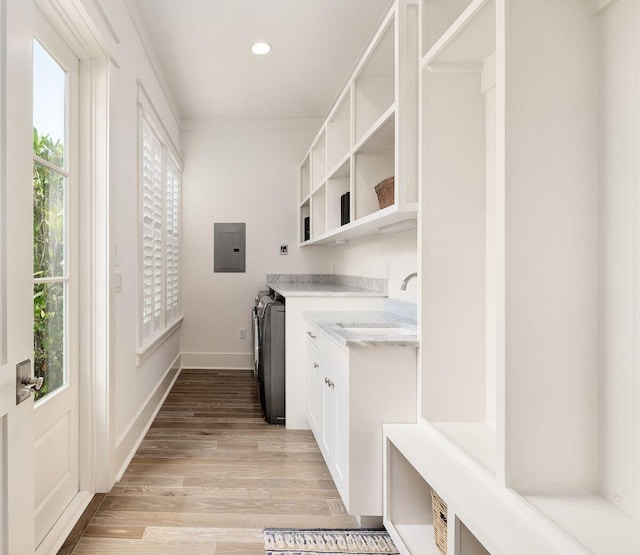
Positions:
{"x": 439, "y": 509}
{"x": 386, "y": 192}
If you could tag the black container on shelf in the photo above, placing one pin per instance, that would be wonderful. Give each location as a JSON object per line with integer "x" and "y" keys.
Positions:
{"x": 345, "y": 208}
{"x": 307, "y": 229}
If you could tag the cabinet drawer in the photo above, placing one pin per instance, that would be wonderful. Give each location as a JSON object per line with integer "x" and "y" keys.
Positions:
{"x": 335, "y": 353}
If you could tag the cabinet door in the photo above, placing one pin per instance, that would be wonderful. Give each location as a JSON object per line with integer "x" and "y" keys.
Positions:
{"x": 329, "y": 414}
{"x": 316, "y": 391}
{"x": 340, "y": 400}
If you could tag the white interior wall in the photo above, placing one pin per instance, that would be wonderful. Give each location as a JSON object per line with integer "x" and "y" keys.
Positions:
{"x": 390, "y": 256}
{"x": 618, "y": 170}
{"x": 135, "y": 390}
{"x": 243, "y": 172}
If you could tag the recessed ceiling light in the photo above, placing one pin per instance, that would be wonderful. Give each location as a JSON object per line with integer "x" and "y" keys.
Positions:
{"x": 261, "y": 48}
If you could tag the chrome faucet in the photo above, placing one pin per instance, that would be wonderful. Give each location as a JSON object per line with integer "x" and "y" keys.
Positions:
{"x": 403, "y": 287}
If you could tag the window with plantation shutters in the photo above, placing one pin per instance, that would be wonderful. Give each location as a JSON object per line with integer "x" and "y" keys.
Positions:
{"x": 152, "y": 224}
{"x": 159, "y": 240}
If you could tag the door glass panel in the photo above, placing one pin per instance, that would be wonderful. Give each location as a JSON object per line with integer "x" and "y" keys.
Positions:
{"x": 49, "y": 188}
{"x": 49, "y": 105}
{"x": 50, "y": 181}
{"x": 49, "y": 332}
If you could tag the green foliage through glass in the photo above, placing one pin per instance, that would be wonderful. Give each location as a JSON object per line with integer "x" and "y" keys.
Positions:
{"x": 49, "y": 202}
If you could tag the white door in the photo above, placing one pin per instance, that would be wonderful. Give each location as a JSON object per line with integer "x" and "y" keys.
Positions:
{"x": 55, "y": 276}
{"x": 16, "y": 269}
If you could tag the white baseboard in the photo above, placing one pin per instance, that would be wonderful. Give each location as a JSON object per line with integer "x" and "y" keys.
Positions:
{"x": 218, "y": 361}
{"x": 130, "y": 440}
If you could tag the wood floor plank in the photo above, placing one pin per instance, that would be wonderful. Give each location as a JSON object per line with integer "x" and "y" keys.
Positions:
{"x": 211, "y": 474}
{"x": 224, "y": 520}
{"x": 185, "y": 534}
{"x": 191, "y": 504}
{"x": 240, "y": 548}
{"x": 222, "y": 455}
{"x": 107, "y": 546}
{"x": 127, "y": 532}
{"x": 223, "y": 493}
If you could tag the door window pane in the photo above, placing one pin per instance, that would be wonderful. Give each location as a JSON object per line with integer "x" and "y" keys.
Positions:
{"x": 48, "y": 336}
{"x": 49, "y": 106}
{"x": 48, "y": 222}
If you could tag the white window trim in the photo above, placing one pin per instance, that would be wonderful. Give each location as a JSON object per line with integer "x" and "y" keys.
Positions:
{"x": 147, "y": 114}
{"x": 146, "y": 350}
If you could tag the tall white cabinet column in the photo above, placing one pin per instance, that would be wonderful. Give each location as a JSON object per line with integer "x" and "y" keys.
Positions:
{"x": 550, "y": 244}
{"x": 529, "y": 383}
{"x": 618, "y": 52}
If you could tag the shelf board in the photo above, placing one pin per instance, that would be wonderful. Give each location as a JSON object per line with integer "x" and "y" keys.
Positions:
{"x": 320, "y": 137}
{"x": 318, "y": 188}
{"x": 342, "y": 168}
{"x": 476, "y": 439}
{"x": 367, "y": 225}
{"x": 305, "y": 201}
{"x": 471, "y": 37}
{"x": 371, "y": 141}
{"x": 342, "y": 108}
{"x": 417, "y": 538}
{"x": 596, "y": 523}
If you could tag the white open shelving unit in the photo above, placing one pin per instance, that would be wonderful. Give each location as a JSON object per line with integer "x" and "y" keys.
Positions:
{"x": 371, "y": 134}
{"x": 528, "y": 238}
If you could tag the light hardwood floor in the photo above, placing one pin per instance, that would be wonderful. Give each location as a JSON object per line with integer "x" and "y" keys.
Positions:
{"x": 211, "y": 474}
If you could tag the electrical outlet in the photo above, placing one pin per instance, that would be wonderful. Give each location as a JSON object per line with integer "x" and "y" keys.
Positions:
{"x": 243, "y": 333}
{"x": 284, "y": 249}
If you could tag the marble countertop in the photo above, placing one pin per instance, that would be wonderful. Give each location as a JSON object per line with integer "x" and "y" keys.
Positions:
{"x": 343, "y": 327}
{"x": 321, "y": 290}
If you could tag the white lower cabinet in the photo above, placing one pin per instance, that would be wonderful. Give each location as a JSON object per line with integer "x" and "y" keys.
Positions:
{"x": 328, "y": 412}
{"x": 352, "y": 392}
{"x": 315, "y": 402}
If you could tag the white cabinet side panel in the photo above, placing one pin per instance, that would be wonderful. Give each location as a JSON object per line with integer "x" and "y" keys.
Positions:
{"x": 616, "y": 101}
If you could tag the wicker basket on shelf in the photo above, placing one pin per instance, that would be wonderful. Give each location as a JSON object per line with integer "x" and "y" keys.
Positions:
{"x": 439, "y": 509}
{"x": 386, "y": 192}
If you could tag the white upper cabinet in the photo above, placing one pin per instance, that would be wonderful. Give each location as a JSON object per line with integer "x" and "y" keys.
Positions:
{"x": 371, "y": 135}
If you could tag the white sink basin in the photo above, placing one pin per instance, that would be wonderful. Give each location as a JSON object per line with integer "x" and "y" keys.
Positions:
{"x": 377, "y": 330}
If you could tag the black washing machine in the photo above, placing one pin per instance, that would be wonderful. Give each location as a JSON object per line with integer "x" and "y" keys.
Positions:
{"x": 270, "y": 368}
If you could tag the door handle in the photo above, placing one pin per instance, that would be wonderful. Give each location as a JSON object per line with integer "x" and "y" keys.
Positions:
{"x": 311, "y": 335}
{"x": 33, "y": 383}
{"x": 25, "y": 383}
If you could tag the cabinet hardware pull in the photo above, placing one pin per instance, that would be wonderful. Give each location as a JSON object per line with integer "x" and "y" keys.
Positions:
{"x": 316, "y": 365}
{"x": 330, "y": 384}
{"x": 311, "y": 335}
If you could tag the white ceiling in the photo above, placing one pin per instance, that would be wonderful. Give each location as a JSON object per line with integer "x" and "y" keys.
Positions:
{"x": 204, "y": 47}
